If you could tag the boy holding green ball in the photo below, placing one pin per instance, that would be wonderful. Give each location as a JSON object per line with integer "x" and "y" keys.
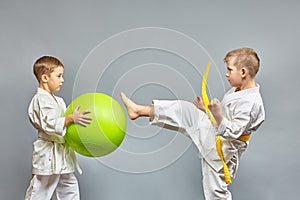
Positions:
{"x": 53, "y": 163}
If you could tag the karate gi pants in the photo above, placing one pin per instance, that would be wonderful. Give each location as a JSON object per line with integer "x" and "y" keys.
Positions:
{"x": 186, "y": 118}
{"x": 55, "y": 187}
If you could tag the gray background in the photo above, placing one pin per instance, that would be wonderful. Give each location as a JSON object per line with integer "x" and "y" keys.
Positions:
{"x": 70, "y": 30}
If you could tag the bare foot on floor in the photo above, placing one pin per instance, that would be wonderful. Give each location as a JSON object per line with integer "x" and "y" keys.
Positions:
{"x": 132, "y": 108}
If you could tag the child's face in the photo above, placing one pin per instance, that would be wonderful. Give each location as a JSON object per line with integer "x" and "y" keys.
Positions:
{"x": 55, "y": 79}
{"x": 234, "y": 75}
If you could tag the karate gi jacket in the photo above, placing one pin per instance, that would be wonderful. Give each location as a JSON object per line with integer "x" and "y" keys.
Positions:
{"x": 50, "y": 153}
{"x": 243, "y": 113}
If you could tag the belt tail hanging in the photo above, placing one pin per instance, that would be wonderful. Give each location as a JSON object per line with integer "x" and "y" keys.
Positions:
{"x": 220, "y": 153}
{"x": 213, "y": 121}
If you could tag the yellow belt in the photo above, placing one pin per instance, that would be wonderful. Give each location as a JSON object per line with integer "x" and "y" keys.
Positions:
{"x": 243, "y": 138}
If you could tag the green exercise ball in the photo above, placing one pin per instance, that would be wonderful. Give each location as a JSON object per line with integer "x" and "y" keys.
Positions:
{"x": 106, "y": 131}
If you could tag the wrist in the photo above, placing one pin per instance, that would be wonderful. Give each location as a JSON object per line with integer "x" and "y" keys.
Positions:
{"x": 69, "y": 119}
{"x": 218, "y": 117}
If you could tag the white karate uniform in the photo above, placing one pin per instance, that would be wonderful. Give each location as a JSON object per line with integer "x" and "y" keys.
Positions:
{"x": 243, "y": 112}
{"x": 52, "y": 161}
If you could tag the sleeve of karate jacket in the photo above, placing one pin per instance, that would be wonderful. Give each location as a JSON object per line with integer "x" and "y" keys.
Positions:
{"x": 45, "y": 115}
{"x": 237, "y": 121}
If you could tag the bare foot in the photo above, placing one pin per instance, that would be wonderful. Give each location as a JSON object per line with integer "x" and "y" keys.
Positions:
{"x": 132, "y": 108}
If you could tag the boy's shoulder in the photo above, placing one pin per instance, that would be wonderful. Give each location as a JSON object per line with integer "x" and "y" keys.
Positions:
{"x": 43, "y": 97}
{"x": 249, "y": 95}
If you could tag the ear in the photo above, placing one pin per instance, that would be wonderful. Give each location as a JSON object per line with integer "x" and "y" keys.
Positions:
{"x": 44, "y": 78}
{"x": 244, "y": 72}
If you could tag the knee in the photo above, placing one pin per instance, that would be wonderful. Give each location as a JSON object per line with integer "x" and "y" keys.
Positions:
{"x": 217, "y": 193}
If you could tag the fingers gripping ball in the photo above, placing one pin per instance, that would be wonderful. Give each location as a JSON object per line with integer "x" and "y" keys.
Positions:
{"x": 105, "y": 132}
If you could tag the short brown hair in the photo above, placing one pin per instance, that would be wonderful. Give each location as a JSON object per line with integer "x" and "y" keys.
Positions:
{"x": 45, "y": 65}
{"x": 244, "y": 57}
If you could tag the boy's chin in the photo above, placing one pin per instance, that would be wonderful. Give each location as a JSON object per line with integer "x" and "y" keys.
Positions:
{"x": 57, "y": 90}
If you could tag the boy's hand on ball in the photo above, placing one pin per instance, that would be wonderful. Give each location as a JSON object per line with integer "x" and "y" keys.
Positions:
{"x": 80, "y": 117}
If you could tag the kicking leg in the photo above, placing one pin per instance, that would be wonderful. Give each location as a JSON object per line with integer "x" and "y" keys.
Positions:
{"x": 134, "y": 110}
{"x": 176, "y": 115}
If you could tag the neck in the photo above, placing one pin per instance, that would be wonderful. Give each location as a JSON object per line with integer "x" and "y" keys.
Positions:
{"x": 247, "y": 85}
{"x": 45, "y": 87}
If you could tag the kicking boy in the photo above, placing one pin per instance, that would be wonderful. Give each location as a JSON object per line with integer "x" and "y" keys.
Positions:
{"x": 52, "y": 161}
{"x": 239, "y": 114}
